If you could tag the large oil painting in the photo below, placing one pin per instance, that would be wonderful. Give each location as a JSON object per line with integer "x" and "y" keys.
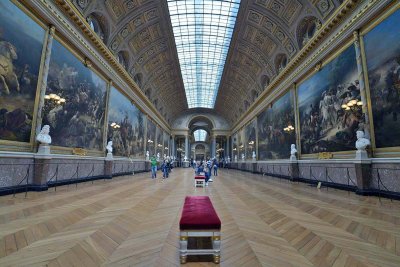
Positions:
{"x": 151, "y": 137}
{"x": 234, "y": 146}
{"x": 241, "y": 144}
{"x": 250, "y": 133}
{"x": 325, "y": 126}
{"x": 166, "y": 144}
{"x": 276, "y": 129}
{"x": 125, "y": 126}
{"x": 159, "y": 142}
{"x": 21, "y": 43}
{"x": 75, "y": 102}
{"x": 382, "y": 50}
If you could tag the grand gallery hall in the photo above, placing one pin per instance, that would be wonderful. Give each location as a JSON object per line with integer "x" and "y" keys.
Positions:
{"x": 200, "y": 133}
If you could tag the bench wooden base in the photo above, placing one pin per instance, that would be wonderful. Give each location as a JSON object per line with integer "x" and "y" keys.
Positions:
{"x": 199, "y": 180}
{"x": 216, "y": 244}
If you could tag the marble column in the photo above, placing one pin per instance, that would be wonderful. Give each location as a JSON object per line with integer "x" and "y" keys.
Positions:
{"x": 227, "y": 149}
{"x": 45, "y": 72}
{"x": 363, "y": 93}
{"x": 213, "y": 146}
{"x": 186, "y": 146}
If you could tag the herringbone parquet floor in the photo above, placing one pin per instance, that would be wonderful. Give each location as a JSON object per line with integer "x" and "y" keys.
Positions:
{"x": 133, "y": 221}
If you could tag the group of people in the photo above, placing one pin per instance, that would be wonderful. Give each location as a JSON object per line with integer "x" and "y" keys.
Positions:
{"x": 166, "y": 167}
{"x": 206, "y": 168}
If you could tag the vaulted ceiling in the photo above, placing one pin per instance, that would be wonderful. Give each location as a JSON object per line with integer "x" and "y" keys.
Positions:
{"x": 267, "y": 35}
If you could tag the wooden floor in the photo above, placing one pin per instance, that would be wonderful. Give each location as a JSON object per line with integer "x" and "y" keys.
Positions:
{"x": 133, "y": 221}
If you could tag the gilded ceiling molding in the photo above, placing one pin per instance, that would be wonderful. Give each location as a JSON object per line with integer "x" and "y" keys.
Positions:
{"x": 70, "y": 10}
{"x": 297, "y": 64}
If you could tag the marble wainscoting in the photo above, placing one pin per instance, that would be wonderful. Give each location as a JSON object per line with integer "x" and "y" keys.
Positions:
{"x": 64, "y": 169}
{"x": 15, "y": 169}
{"x": 389, "y": 175}
{"x": 341, "y": 173}
{"x": 33, "y": 172}
{"x": 126, "y": 166}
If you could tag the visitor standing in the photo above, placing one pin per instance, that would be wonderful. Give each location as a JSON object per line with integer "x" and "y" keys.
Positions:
{"x": 215, "y": 169}
{"x": 153, "y": 160}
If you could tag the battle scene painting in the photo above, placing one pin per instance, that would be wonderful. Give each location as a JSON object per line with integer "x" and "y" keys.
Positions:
{"x": 325, "y": 126}
{"x": 382, "y": 50}
{"x": 75, "y": 102}
{"x": 234, "y": 146}
{"x": 166, "y": 144}
{"x": 242, "y": 144}
{"x": 151, "y": 137}
{"x": 159, "y": 142}
{"x": 276, "y": 129}
{"x": 21, "y": 43}
{"x": 125, "y": 126}
{"x": 250, "y": 134}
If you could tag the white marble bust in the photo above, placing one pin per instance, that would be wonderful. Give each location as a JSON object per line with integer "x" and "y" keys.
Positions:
{"x": 109, "y": 147}
{"x": 43, "y": 137}
{"x": 362, "y": 142}
{"x": 243, "y": 156}
{"x": 293, "y": 152}
{"x": 147, "y": 155}
{"x": 253, "y": 155}
{"x": 229, "y": 159}
{"x": 158, "y": 156}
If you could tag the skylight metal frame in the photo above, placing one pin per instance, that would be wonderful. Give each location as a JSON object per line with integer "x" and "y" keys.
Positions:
{"x": 200, "y": 135}
{"x": 203, "y": 30}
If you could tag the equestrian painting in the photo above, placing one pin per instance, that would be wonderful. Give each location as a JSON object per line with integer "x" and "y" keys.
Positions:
{"x": 325, "y": 125}
{"x": 75, "y": 102}
{"x": 151, "y": 137}
{"x": 125, "y": 126}
{"x": 21, "y": 43}
{"x": 274, "y": 132}
{"x": 383, "y": 63}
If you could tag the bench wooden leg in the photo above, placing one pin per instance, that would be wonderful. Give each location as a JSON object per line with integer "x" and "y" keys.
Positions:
{"x": 216, "y": 242}
{"x": 183, "y": 243}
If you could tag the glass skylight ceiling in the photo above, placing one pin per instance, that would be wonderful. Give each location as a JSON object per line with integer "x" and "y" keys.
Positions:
{"x": 203, "y": 31}
{"x": 200, "y": 135}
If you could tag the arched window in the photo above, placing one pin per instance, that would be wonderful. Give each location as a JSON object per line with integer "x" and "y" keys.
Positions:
{"x": 306, "y": 30}
{"x": 95, "y": 24}
{"x": 280, "y": 62}
{"x": 138, "y": 78}
{"x": 264, "y": 81}
{"x": 122, "y": 59}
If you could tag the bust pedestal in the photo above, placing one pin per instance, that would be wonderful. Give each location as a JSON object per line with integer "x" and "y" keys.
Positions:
{"x": 361, "y": 155}
{"x": 41, "y": 171}
{"x": 44, "y": 149}
{"x": 108, "y": 166}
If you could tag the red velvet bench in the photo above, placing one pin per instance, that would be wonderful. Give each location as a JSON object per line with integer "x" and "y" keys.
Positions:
{"x": 199, "y": 219}
{"x": 199, "y": 180}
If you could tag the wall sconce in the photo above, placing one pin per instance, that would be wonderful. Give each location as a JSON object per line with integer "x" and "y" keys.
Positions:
{"x": 56, "y": 98}
{"x": 353, "y": 104}
{"x": 289, "y": 128}
{"x": 115, "y": 125}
